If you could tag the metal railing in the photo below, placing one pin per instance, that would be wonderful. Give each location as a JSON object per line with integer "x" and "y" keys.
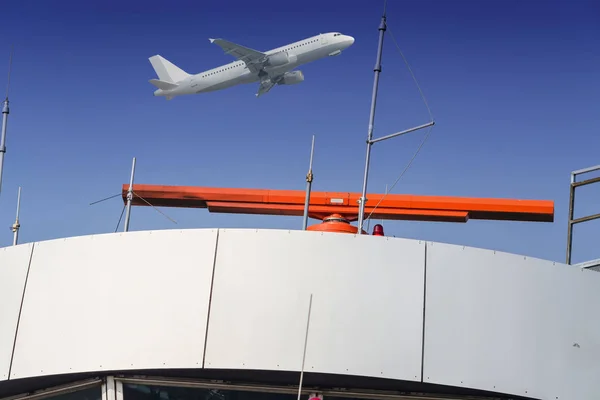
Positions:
{"x": 572, "y": 220}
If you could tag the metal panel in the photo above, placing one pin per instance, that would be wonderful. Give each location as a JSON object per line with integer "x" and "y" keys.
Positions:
{"x": 592, "y": 264}
{"x": 511, "y": 324}
{"x": 14, "y": 262}
{"x": 117, "y": 301}
{"x": 367, "y": 304}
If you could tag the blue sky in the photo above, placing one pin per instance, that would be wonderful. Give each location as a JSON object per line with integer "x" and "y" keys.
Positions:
{"x": 514, "y": 87}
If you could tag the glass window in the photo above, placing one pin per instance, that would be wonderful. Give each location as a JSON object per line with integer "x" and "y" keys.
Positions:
{"x": 93, "y": 392}
{"x": 143, "y": 392}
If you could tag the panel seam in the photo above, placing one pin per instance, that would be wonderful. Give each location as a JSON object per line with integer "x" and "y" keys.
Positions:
{"x": 12, "y": 355}
{"x": 210, "y": 294}
{"x": 424, "y": 307}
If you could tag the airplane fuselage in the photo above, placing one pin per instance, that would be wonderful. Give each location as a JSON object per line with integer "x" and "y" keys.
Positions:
{"x": 288, "y": 57}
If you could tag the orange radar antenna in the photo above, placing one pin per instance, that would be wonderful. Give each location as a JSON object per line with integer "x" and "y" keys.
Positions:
{"x": 323, "y": 205}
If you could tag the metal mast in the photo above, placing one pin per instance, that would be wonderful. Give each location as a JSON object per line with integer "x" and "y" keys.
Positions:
{"x": 15, "y": 227}
{"x": 377, "y": 69}
{"x": 129, "y": 197}
{"x": 5, "y": 112}
{"x": 370, "y": 141}
{"x": 309, "y": 179}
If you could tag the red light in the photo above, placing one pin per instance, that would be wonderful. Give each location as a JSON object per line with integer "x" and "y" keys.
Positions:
{"x": 378, "y": 230}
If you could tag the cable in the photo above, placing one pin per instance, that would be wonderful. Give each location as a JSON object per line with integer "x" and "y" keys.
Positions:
{"x": 147, "y": 202}
{"x": 119, "y": 223}
{"x": 108, "y": 198}
{"x": 411, "y": 73}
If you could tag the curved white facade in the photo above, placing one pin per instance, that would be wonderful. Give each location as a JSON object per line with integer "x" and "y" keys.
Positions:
{"x": 238, "y": 299}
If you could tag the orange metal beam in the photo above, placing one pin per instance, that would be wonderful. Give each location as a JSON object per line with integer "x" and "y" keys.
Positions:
{"x": 350, "y": 213}
{"x": 391, "y": 207}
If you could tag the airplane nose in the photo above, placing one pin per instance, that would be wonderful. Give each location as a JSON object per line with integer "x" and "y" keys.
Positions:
{"x": 349, "y": 40}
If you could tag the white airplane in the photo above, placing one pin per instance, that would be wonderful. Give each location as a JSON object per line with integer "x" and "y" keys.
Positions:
{"x": 271, "y": 68}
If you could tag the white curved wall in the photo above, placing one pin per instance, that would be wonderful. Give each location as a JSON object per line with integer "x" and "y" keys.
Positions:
{"x": 120, "y": 301}
{"x": 513, "y": 324}
{"x": 143, "y": 300}
{"x": 14, "y": 262}
{"x": 367, "y": 308}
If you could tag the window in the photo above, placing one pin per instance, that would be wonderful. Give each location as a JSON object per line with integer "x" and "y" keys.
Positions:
{"x": 75, "y": 391}
{"x": 143, "y": 392}
{"x": 146, "y": 392}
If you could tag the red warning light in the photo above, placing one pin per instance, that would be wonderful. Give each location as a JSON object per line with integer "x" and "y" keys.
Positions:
{"x": 378, "y": 230}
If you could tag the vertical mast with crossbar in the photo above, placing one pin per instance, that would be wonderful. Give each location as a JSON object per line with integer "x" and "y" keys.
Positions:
{"x": 370, "y": 141}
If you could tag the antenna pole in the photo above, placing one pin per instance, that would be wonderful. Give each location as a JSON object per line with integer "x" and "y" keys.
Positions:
{"x": 305, "y": 343}
{"x": 129, "y": 197}
{"x": 5, "y": 112}
{"x": 309, "y": 179}
{"x": 377, "y": 70}
{"x": 15, "y": 227}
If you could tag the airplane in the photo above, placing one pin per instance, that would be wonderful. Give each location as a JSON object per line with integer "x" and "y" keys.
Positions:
{"x": 270, "y": 68}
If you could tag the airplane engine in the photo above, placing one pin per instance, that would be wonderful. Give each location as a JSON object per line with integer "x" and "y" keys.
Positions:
{"x": 291, "y": 78}
{"x": 278, "y": 59}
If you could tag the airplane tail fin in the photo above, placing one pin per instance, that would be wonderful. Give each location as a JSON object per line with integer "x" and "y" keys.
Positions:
{"x": 167, "y": 71}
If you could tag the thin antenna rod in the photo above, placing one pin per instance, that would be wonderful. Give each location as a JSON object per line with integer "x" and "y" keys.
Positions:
{"x": 5, "y": 112}
{"x": 9, "y": 69}
{"x": 129, "y": 197}
{"x": 15, "y": 227}
{"x": 377, "y": 70}
{"x": 305, "y": 342}
{"x": 309, "y": 179}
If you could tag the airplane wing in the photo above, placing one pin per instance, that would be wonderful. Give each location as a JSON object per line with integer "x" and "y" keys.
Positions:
{"x": 252, "y": 58}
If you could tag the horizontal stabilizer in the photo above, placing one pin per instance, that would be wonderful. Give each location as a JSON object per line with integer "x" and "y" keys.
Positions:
{"x": 162, "y": 84}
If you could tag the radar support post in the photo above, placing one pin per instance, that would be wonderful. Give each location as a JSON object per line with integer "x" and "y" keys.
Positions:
{"x": 309, "y": 179}
{"x": 572, "y": 221}
{"x": 129, "y": 197}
